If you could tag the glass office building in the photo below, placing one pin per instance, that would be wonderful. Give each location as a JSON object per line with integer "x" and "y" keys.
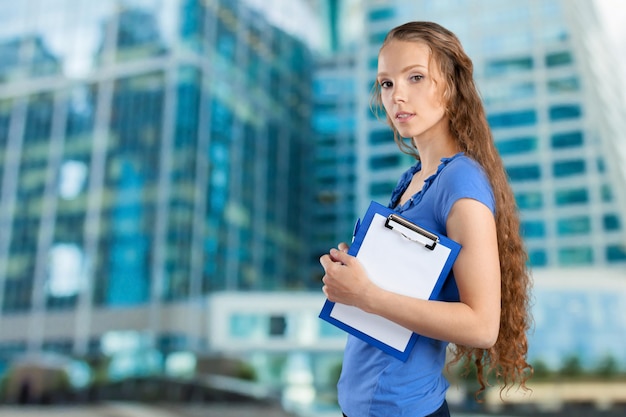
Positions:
{"x": 334, "y": 117}
{"x": 556, "y": 108}
{"x": 151, "y": 153}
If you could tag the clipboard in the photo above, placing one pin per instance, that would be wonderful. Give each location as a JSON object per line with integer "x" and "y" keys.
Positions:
{"x": 398, "y": 256}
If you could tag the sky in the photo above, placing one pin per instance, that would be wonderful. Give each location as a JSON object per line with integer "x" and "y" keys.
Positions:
{"x": 612, "y": 13}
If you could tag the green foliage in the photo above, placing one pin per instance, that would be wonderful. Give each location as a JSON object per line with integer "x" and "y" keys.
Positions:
{"x": 541, "y": 371}
{"x": 247, "y": 372}
{"x": 571, "y": 367}
{"x": 608, "y": 368}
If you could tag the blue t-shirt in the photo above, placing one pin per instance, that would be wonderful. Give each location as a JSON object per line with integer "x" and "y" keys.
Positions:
{"x": 374, "y": 383}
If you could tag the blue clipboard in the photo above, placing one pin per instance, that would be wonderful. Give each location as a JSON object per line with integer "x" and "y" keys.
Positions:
{"x": 399, "y": 256}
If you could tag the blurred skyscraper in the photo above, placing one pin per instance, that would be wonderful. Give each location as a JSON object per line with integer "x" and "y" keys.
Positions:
{"x": 334, "y": 124}
{"x": 151, "y": 153}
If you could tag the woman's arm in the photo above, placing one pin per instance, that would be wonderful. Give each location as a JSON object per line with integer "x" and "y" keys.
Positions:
{"x": 474, "y": 321}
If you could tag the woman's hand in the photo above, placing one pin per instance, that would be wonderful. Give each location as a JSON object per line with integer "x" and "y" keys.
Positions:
{"x": 345, "y": 280}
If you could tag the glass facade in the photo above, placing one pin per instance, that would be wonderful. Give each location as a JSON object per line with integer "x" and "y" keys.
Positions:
{"x": 149, "y": 155}
{"x": 334, "y": 125}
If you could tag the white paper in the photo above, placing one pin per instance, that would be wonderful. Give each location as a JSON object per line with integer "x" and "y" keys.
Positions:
{"x": 396, "y": 264}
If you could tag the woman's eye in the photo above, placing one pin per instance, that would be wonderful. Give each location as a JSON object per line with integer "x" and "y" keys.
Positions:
{"x": 385, "y": 84}
{"x": 415, "y": 78}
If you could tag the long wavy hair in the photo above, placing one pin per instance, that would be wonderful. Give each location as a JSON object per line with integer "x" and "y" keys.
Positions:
{"x": 468, "y": 126}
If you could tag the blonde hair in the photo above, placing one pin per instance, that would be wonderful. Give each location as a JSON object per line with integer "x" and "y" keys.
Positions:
{"x": 468, "y": 125}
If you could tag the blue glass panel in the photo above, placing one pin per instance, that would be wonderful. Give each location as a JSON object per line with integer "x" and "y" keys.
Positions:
{"x": 575, "y": 256}
{"x": 128, "y": 262}
{"x": 508, "y": 66}
{"x": 560, "y": 85}
{"x": 381, "y": 14}
{"x": 524, "y": 173}
{"x": 381, "y": 188}
{"x": 565, "y": 111}
{"x": 517, "y": 145}
{"x": 533, "y": 229}
{"x": 573, "y": 226}
{"x": 530, "y": 200}
{"x": 567, "y": 140}
{"x": 537, "y": 258}
{"x": 513, "y": 119}
{"x": 385, "y": 161}
{"x": 380, "y": 136}
{"x": 611, "y": 222}
{"x": 567, "y": 197}
{"x": 616, "y": 253}
{"x": 559, "y": 59}
{"x": 568, "y": 168}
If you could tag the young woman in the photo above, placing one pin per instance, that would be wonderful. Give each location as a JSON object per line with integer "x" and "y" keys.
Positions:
{"x": 458, "y": 187}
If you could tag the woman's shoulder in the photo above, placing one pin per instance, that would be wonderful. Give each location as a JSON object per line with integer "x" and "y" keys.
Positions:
{"x": 464, "y": 177}
{"x": 462, "y": 169}
{"x": 461, "y": 164}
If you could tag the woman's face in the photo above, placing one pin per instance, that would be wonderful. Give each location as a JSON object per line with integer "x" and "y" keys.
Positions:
{"x": 412, "y": 90}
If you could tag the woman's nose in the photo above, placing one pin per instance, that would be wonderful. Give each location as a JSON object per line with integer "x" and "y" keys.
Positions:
{"x": 398, "y": 93}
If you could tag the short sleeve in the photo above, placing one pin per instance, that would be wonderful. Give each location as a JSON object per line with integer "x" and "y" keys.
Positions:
{"x": 463, "y": 178}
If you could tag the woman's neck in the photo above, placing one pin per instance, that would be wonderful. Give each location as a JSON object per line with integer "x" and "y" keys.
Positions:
{"x": 431, "y": 152}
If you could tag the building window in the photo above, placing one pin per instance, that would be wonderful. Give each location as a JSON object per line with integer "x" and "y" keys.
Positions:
{"x": 277, "y": 326}
{"x": 611, "y": 222}
{"x": 517, "y": 146}
{"x": 616, "y": 253}
{"x": 558, "y": 59}
{"x": 563, "y": 85}
{"x": 384, "y": 161}
{"x": 529, "y": 201}
{"x": 573, "y": 226}
{"x": 538, "y": 257}
{"x": 508, "y": 66}
{"x": 567, "y": 140}
{"x": 568, "y": 168}
{"x": 565, "y": 112}
{"x": 533, "y": 229}
{"x": 575, "y": 256}
{"x": 381, "y": 14}
{"x": 524, "y": 173}
{"x": 381, "y": 188}
{"x": 513, "y": 119}
{"x": 377, "y": 137}
{"x": 568, "y": 197}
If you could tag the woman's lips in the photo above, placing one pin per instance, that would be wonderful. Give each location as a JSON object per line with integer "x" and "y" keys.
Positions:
{"x": 403, "y": 116}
